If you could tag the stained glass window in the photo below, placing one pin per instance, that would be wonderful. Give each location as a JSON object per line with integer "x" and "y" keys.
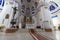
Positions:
{"x": 23, "y": 7}
{"x": 22, "y": 11}
{"x": 52, "y": 8}
{"x": 3, "y": 3}
{"x": 33, "y": 8}
{"x": 0, "y": 2}
{"x": 33, "y": 12}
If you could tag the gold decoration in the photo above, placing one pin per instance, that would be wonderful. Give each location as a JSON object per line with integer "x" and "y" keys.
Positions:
{"x": 27, "y": 19}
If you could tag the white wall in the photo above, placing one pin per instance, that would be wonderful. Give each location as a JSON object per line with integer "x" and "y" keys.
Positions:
{"x": 45, "y": 15}
{"x": 7, "y": 9}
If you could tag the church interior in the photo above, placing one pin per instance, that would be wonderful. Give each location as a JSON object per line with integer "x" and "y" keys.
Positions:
{"x": 29, "y": 20}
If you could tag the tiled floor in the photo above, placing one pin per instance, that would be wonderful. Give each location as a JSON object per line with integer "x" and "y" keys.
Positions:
{"x": 24, "y": 35}
{"x": 16, "y": 36}
{"x": 55, "y": 35}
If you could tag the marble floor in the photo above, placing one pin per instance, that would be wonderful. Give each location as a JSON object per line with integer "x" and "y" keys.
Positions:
{"x": 15, "y": 36}
{"x": 55, "y": 35}
{"x": 24, "y": 35}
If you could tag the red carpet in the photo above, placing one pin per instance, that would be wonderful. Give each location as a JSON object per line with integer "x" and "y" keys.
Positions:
{"x": 36, "y": 35}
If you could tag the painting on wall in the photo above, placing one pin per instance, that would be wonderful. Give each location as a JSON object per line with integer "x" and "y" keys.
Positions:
{"x": 2, "y": 2}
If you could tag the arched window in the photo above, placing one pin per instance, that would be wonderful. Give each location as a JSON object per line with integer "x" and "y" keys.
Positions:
{"x": 7, "y": 16}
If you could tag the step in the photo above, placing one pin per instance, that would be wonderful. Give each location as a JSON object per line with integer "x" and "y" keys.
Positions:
{"x": 11, "y": 30}
{"x": 23, "y": 30}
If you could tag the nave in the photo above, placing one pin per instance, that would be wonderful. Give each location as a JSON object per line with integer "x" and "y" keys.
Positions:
{"x": 30, "y": 34}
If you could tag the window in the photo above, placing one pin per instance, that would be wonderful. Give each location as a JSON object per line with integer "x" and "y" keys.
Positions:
{"x": 0, "y": 2}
